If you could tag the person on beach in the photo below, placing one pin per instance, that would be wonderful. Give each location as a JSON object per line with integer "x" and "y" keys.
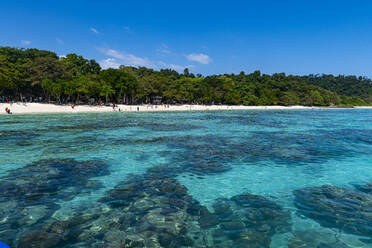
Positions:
{"x": 72, "y": 106}
{"x": 7, "y": 110}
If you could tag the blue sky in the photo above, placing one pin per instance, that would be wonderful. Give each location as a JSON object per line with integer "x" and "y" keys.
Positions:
{"x": 209, "y": 37}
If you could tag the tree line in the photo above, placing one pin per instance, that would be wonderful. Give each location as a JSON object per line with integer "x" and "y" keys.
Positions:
{"x": 32, "y": 73}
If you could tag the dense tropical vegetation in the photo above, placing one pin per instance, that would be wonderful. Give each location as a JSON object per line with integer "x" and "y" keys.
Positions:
{"x": 352, "y": 89}
{"x": 27, "y": 74}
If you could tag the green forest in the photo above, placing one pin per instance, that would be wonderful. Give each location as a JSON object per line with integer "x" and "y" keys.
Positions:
{"x": 29, "y": 74}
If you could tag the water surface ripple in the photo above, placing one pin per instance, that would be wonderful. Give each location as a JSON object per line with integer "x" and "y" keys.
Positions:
{"x": 275, "y": 178}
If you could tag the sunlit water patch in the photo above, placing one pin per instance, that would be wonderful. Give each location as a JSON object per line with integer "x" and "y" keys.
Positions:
{"x": 187, "y": 179}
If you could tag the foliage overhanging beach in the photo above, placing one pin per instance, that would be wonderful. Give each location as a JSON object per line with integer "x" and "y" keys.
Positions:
{"x": 32, "y": 75}
{"x": 36, "y": 108}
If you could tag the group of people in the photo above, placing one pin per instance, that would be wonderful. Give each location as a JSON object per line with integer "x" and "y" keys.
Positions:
{"x": 114, "y": 106}
{"x": 7, "y": 110}
{"x": 4, "y": 99}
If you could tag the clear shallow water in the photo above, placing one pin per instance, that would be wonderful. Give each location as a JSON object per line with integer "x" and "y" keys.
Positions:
{"x": 187, "y": 179}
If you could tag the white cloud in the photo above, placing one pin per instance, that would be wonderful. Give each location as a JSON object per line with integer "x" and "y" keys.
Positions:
{"x": 94, "y": 30}
{"x": 128, "y": 30}
{"x": 127, "y": 58}
{"x": 117, "y": 58}
{"x": 175, "y": 67}
{"x": 112, "y": 53}
{"x": 60, "y": 41}
{"x": 25, "y": 42}
{"x": 178, "y": 68}
{"x": 199, "y": 57}
{"x": 131, "y": 59}
{"x": 109, "y": 63}
{"x": 163, "y": 50}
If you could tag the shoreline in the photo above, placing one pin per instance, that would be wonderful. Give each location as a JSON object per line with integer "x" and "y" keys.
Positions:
{"x": 40, "y": 108}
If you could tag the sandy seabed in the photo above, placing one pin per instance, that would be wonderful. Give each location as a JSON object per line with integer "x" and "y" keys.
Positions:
{"x": 38, "y": 108}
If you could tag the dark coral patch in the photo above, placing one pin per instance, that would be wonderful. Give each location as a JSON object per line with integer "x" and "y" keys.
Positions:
{"x": 29, "y": 195}
{"x": 155, "y": 210}
{"x": 44, "y": 181}
{"x": 245, "y": 220}
{"x": 335, "y": 207}
{"x": 366, "y": 188}
{"x": 20, "y": 138}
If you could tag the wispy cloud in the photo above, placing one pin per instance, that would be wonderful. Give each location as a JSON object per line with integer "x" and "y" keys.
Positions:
{"x": 175, "y": 67}
{"x": 109, "y": 63}
{"x": 117, "y": 58}
{"x": 111, "y": 52}
{"x": 128, "y": 29}
{"x": 199, "y": 57}
{"x": 164, "y": 50}
{"x": 94, "y": 30}
{"x": 137, "y": 61}
{"x": 60, "y": 41}
{"x": 25, "y": 42}
{"x": 127, "y": 58}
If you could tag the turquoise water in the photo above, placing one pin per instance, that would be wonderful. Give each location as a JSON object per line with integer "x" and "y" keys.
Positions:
{"x": 187, "y": 179}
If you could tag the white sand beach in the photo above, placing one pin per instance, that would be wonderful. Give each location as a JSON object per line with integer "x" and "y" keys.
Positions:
{"x": 38, "y": 108}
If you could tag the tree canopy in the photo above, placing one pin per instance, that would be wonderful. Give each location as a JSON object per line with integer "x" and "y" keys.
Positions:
{"x": 72, "y": 78}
